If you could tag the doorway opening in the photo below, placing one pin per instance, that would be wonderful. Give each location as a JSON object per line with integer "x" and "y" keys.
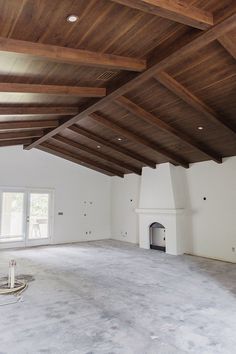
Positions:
{"x": 157, "y": 236}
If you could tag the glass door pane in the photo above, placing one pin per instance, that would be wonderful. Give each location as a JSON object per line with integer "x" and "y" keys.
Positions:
{"x": 38, "y": 218}
{"x": 12, "y": 216}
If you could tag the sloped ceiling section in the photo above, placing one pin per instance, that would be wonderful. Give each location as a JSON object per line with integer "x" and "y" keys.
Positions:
{"x": 131, "y": 83}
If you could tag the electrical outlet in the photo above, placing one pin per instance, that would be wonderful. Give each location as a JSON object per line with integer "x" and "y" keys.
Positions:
{"x": 233, "y": 249}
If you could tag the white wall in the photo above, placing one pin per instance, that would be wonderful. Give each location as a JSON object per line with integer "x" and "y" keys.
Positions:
{"x": 124, "y": 200}
{"x": 209, "y": 227}
{"x": 156, "y": 188}
{"x": 73, "y": 184}
{"x": 212, "y": 223}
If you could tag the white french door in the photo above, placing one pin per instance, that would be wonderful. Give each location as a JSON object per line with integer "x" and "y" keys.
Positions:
{"x": 39, "y": 217}
{"x": 26, "y": 216}
{"x": 12, "y": 215}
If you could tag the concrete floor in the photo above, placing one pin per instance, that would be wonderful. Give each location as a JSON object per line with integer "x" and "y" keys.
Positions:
{"x": 111, "y": 297}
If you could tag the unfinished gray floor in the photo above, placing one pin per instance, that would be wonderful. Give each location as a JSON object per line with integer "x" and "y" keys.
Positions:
{"x": 110, "y": 297}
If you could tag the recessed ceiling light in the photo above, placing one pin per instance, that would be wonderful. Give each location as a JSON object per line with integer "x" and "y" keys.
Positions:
{"x": 72, "y": 18}
{"x": 200, "y": 128}
{"x": 98, "y": 146}
{"x": 119, "y": 139}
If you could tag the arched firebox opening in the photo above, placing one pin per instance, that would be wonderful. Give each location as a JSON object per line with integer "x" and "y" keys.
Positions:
{"x": 157, "y": 236}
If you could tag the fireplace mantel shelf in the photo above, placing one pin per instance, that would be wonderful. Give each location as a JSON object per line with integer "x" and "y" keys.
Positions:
{"x": 159, "y": 211}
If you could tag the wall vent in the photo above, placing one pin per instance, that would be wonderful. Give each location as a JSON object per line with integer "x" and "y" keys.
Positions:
{"x": 107, "y": 75}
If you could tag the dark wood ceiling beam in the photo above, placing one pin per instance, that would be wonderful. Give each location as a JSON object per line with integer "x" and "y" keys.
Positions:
{"x": 97, "y": 153}
{"x": 115, "y": 147}
{"x": 138, "y": 139}
{"x": 229, "y": 44}
{"x": 68, "y": 155}
{"x": 21, "y": 135}
{"x": 15, "y": 142}
{"x": 194, "y": 45}
{"x": 30, "y": 124}
{"x": 53, "y": 89}
{"x": 71, "y": 56}
{"x": 155, "y": 121}
{"x": 182, "y": 92}
{"x": 40, "y": 110}
{"x": 179, "y": 11}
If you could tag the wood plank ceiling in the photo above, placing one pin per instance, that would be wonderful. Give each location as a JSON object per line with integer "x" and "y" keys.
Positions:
{"x": 131, "y": 83}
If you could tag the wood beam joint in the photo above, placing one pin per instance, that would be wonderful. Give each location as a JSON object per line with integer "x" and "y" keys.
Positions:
{"x": 179, "y": 11}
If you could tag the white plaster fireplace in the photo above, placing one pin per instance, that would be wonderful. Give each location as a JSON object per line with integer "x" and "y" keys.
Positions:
{"x": 162, "y": 200}
{"x": 172, "y": 219}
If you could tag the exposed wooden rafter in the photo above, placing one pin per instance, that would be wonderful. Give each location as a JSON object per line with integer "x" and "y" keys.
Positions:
{"x": 138, "y": 139}
{"x": 68, "y": 155}
{"x": 193, "y": 46}
{"x": 156, "y": 121}
{"x": 12, "y": 142}
{"x": 28, "y": 124}
{"x": 53, "y": 89}
{"x": 71, "y": 56}
{"x": 179, "y": 11}
{"x": 97, "y": 153}
{"x": 37, "y": 110}
{"x": 183, "y": 93}
{"x": 116, "y": 147}
{"x": 21, "y": 135}
{"x": 229, "y": 44}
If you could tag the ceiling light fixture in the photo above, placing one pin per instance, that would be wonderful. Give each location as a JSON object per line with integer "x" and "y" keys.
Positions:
{"x": 98, "y": 146}
{"x": 200, "y": 128}
{"x": 119, "y": 139}
{"x": 72, "y": 18}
